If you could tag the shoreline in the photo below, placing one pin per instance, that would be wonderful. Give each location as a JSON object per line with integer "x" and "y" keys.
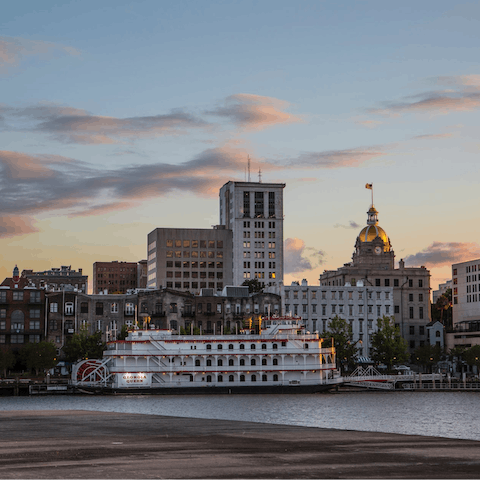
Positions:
{"x": 84, "y": 444}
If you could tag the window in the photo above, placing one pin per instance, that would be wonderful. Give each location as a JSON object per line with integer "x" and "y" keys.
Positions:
{"x": 242, "y": 361}
{"x": 275, "y": 346}
{"x": 275, "y": 377}
{"x": 197, "y": 362}
{"x": 220, "y": 377}
{"x": 69, "y": 308}
{"x": 219, "y": 347}
{"x": 410, "y": 297}
{"x": 420, "y": 297}
{"x": 377, "y": 282}
{"x": 420, "y": 283}
{"x": 264, "y": 361}
{"x": 275, "y": 361}
{"x": 35, "y": 297}
{"x": 3, "y": 297}
{"x": 3, "y": 313}
{"x": 220, "y": 363}
{"x": 35, "y": 313}
{"x": 410, "y": 283}
{"x": 412, "y": 329}
{"x": 209, "y": 378}
{"x": 99, "y": 308}
{"x": 209, "y": 347}
{"x": 420, "y": 313}
{"x": 114, "y": 308}
{"x": 395, "y": 282}
{"x": 396, "y": 308}
{"x": 18, "y": 296}
{"x": 253, "y": 361}
{"x": 253, "y": 378}
{"x": 421, "y": 330}
{"x": 209, "y": 362}
{"x": 242, "y": 378}
{"x": 411, "y": 312}
{"x": 34, "y": 324}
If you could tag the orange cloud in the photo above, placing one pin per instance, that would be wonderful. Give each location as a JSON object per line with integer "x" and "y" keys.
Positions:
{"x": 12, "y": 225}
{"x": 13, "y": 51}
{"x": 444, "y": 253}
{"x": 298, "y": 257}
{"x": 254, "y": 111}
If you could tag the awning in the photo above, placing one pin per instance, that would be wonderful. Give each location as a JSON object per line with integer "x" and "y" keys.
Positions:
{"x": 364, "y": 360}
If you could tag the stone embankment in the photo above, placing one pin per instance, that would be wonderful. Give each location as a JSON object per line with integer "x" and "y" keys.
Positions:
{"x": 79, "y": 444}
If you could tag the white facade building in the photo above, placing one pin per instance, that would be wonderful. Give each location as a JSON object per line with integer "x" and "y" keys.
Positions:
{"x": 466, "y": 304}
{"x": 361, "y": 305}
{"x": 253, "y": 211}
{"x": 442, "y": 288}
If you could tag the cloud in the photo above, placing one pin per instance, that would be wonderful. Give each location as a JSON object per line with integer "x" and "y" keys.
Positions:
{"x": 369, "y": 123}
{"x": 351, "y": 224}
{"x": 444, "y": 253}
{"x": 299, "y": 258}
{"x": 254, "y": 111}
{"x": 465, "y": 96}
{"x": 432, "y": 136}
{"x": 14, "y": 50}
{"x": 72, "y": 125}
{"x": 336, "y": 158}
{"x": 12, "y": 225}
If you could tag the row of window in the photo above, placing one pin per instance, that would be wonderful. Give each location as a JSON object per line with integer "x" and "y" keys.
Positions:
{"x": 231, "y": 378}
{"x": 99, "y": 307}
{"x": 340, "y": 309}
{"x": 242, "y": 346}
{"x": 34, "y": 313}
{"x": 18, "y": 295}
{"x": 378, "y": 281}
{"x": 231, "y": 362}
{"x": 194, "y": 285}
{"x": 20, "y": 325}
{"x": 258, "y": 254}
{"x": 194, "y": 243}
{"x": 259, "y": 234}
{"x": 259, "y": 264}
{"x": 16, "y": 339}
{"x": 259, "y": 244}
{"x": 194, "y": 254}
{"x": 258, "y": 275}
{"x": 334, "y": 295}
{"x": 218, "y": 275}
{"x": 195, "y": 264}
{"x": 258, "y": 224}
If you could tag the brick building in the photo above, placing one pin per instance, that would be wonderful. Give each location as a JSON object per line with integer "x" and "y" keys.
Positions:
{"x": 115, "y": 277}
{"x": 57, "y": 278}
{"x": 22, "y": 312}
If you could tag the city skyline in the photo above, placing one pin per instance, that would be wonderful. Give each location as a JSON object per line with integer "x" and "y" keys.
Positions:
{"x": 116, "y": 118}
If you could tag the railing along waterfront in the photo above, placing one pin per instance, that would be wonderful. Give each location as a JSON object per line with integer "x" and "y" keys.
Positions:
{"x": 443, "y": 386}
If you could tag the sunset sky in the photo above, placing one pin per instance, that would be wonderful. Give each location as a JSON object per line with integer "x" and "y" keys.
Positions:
{"x": 117, "y": 117}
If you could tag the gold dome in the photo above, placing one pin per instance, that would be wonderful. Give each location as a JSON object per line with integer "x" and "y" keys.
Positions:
{"x": 370, "y": 232}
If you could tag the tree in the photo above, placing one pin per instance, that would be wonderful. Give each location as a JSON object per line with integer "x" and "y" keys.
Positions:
{"x": 346, "y": 349}
{"x": 427, "y": 355}
{"x": 442, "y": 309}
{"x": 39, "y": 356}
{"x": 82, "y": 346}
{"x": 388, "y": 347}
{"x": 7, "y": 360}
{"x": 123, "y": 332}
{"x": 472, "y": 356}
{"x": 253, "y": 285}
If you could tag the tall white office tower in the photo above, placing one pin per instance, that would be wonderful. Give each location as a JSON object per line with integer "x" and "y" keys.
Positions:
{"x": 254, "y": 213}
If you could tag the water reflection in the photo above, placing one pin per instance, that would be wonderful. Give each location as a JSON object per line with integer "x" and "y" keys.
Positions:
{"x": 439, "y": 414}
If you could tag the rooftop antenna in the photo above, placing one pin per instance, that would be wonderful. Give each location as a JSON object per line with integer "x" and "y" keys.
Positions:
{"x": 249, "y": 168}
{"x": 259, "y": 176}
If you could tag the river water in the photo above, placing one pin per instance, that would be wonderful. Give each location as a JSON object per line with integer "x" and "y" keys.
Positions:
{"x": 438, "y": 414}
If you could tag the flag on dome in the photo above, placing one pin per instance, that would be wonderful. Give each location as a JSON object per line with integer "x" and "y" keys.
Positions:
{"x": 369, "y": 186}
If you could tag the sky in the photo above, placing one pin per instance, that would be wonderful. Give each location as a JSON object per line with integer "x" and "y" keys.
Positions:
{"x": 118, "y": 117}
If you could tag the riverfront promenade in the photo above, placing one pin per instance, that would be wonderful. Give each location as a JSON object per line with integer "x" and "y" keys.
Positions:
{"x": 81, "y": 444}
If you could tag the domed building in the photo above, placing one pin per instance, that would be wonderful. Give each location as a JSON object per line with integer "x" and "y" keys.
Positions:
{"x": 373, "y": 265}
{"x": 373, "y": 247}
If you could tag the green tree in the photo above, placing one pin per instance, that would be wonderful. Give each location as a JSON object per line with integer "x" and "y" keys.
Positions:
{"x": 7, "y": 360}
{"x": 39, "y": 356}
{"x": 442, "y": 309}
{"x": 82, "y": 346}
{"x": 472, "y": 356}
{"x": 123, "y": 332}
{"x": 345, "y": 348}
{"x": 253, "y": 285}
{"x": 388, "y": 346}
{"x": 427, "y": 356}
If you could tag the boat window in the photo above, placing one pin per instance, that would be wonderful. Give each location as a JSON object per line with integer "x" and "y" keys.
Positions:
{"x": 264, "y": 378}
{"x": 230, "y": 347}
{"x": 253, "y": 346}
{"x": 275, "y": 346}
{"x": 275, "y": 361}
{"x": 284, "y": 344}
{"x": 264, "y": 361}
{"x": 197, "y": 363}
{"x": 253, "y": 361}
{"x": 230, "y": 363}
{"x": 254, "y": 378}
{"x": 275, "y": 378}
{"x": 219, "y": 347}
{"x": 220, "y": 378}
{"x": 305, "y": 346}
{"x": 209, "y": 363}
{"x": 242, "y": 361}
{"x": 242, "y": 346}
{"x": 209, "y": 378}
{"x": 209, "y": 347}
{"x": 220, "y": 363}
{"x": 230, "y": 378}
{"x": 242, "y": 378}
{"x": 264, "y": 346}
